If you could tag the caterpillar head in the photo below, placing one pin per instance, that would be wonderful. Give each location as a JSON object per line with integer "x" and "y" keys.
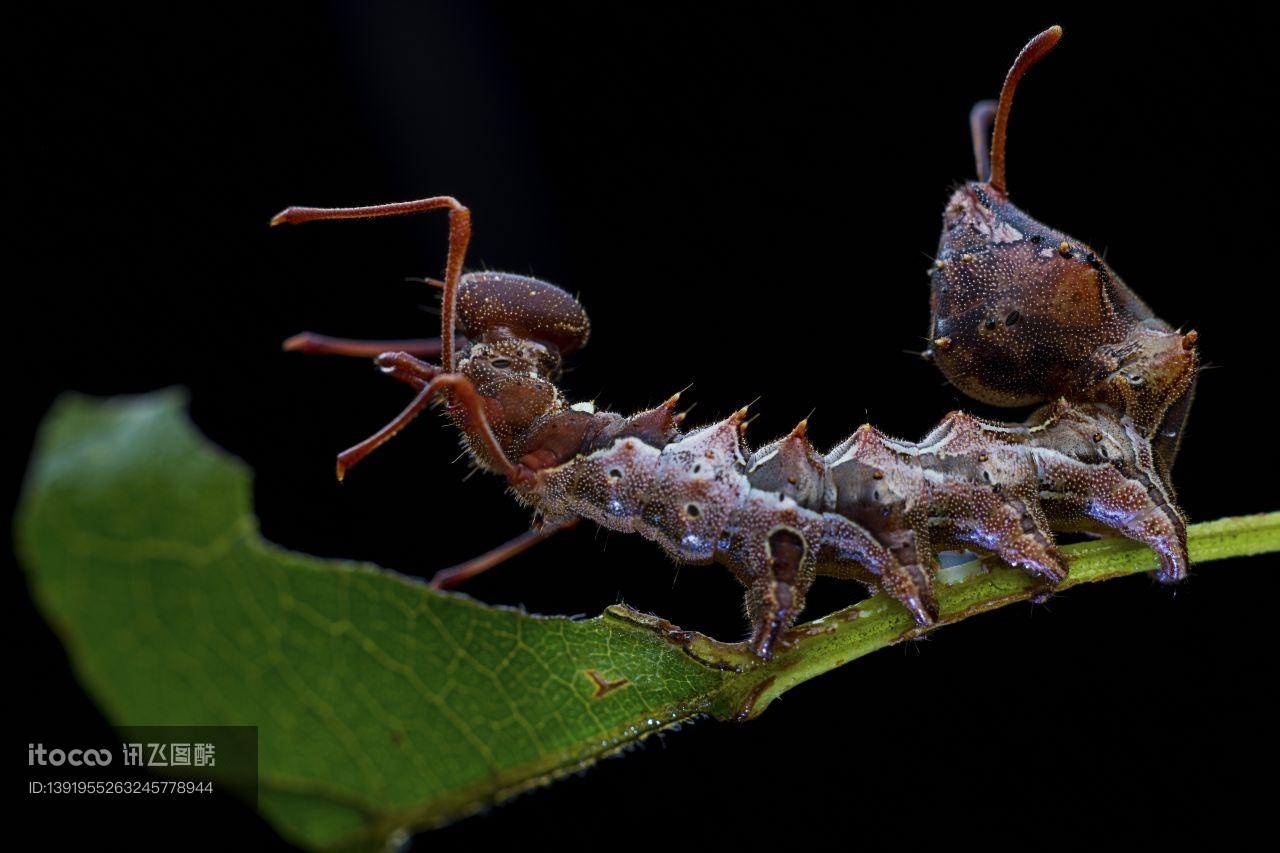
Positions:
{"x": 1019, "y": 310}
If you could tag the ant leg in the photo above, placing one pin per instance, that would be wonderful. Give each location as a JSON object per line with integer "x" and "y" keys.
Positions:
{"x": 455, "y": 575}
{"x": 407, "y": 369}
{"x": 353, "y": 455}
{"x": 463, "y": 397}
{"x": 459, "y": 237}
{"x": 313, "y": 344}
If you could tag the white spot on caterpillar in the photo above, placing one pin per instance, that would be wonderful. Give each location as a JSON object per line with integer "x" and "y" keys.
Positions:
{"x": 1005, "y": 233}
{"x": 764, "y": 459}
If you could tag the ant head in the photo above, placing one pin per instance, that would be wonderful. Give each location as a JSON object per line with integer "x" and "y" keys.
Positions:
{"x": 516, "y": 376}
{"x": 517, "y": 330}
{"x": 1020, "y": 309}
{"x": 494, "y": 305}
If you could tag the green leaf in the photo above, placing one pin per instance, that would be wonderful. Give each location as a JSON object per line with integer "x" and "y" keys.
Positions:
{"x": 382, "y": 705}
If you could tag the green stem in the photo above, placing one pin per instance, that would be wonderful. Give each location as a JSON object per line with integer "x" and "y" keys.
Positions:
{"x": 967, "y": 590}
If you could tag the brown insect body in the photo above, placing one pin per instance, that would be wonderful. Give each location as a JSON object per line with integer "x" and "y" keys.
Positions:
{"x": 1024, "y": 314}
{"x": 876, "y": 509}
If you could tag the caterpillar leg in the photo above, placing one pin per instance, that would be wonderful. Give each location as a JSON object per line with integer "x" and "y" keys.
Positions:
{"x": 984, "y": 495}
{"x": 909, "y": 578}
{"x": 1137, "y": 506}
{"x": 776, "y": 594}
{"x": 849, "y": 551}
{"x": 1009, "y": 523}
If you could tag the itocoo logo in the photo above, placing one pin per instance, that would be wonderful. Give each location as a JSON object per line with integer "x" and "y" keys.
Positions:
{"x": 37, "y": 754}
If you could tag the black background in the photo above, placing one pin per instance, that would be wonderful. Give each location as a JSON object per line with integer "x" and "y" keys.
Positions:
{"x": 668, "y": 165}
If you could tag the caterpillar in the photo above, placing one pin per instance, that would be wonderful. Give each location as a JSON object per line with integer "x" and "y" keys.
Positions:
{"x": 1021, "y": 315}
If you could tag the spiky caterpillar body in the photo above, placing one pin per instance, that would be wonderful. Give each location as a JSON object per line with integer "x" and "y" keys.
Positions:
{"x": 874, "y": 508}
